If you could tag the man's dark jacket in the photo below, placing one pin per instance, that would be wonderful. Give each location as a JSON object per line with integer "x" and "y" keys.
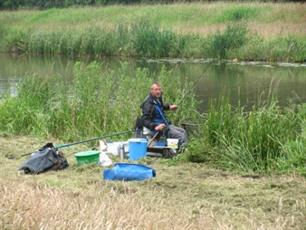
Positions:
{"x": 149, "y": 111}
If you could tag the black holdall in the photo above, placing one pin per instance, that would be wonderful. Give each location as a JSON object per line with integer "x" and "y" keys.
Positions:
{"x": 46, "y": 158}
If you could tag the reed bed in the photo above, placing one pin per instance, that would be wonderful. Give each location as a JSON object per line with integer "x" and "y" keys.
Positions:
{"x": 266, "y": 32}
{"x": 146, "y": 39}
{"x": 263, "y": 139}
{"x": 92, "y": 104}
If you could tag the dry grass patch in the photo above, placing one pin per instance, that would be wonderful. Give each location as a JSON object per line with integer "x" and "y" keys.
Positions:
{"x": 183, "y": 196}
{"x": 29, "y": 206}
{"x": 265, "y": 30}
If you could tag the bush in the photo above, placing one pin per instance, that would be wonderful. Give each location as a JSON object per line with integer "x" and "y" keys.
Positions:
{"x": 232, "y": 38}
{"x": 238, "y": 13}
{"x": 148, "y": 40}
{"x": 16, "y": 41}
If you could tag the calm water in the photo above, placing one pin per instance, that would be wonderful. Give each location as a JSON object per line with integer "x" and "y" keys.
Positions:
{"x": 240, "y": 82}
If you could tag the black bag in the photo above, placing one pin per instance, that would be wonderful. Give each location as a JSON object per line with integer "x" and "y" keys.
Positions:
{"x": 138, "y": 128}
{"x": 46, "y": 158}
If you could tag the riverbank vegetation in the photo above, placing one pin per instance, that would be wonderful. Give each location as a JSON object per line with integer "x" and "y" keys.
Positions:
{"x": 264, "y": 138}
{"x": 243, "y": 31}
{"x": 91, "y": 104}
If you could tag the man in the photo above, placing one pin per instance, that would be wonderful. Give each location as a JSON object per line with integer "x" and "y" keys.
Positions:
{"x": 154, "y": 118}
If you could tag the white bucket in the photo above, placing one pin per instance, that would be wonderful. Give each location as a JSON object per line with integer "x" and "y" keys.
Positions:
{"x": 172, "y": 143}
{"x": 114, "y": 147}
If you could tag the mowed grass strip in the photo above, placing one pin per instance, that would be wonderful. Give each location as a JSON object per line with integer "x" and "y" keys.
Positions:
{"x": 184, "y": 196}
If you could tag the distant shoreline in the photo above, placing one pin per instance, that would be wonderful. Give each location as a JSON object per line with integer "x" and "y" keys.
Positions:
{"x": 235, "y": 31}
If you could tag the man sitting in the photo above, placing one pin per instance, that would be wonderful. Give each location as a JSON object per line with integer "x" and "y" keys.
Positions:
{"x": 154, "y": 118}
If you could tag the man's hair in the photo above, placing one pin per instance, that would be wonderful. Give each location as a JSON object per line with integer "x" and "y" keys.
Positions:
{"x": 154, "y": 83}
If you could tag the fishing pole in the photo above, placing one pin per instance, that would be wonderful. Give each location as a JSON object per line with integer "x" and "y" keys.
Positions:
{"x": 60, "y": 146}
{"x": 92, "y": 139}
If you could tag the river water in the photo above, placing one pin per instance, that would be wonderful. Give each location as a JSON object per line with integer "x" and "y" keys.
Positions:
{"x": 244, "y": 82}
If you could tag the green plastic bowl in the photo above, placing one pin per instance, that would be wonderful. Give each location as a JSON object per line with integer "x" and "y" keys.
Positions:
{"x": 87, "y": 157}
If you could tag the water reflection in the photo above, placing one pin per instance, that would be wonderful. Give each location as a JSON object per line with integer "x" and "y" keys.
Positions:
{"x": 240, "y": 82}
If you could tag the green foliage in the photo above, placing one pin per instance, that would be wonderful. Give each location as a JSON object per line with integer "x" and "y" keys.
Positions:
{"x": 31, "y": 108}
{"x": 294, "y": 158}
{"x": 141, "y": 39}
{"x": 234, "y": 37}
{"x": 3, "y": 30}
{"x": 293, "y": 152}
{"x": 199, "y": 151}
{"x": 250, "y": 140}
{"x": 145, "y": 39}
{"x": 16, "y": 41}
{"x": 148, "y": 40}
{"x": 94, "y": 103}
{"x": 91, "y": 41}
{"x": 289, "y": 49}
{"x": 238, "y": 13}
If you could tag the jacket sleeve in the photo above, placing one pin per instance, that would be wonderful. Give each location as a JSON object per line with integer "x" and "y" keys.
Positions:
{"x": 147, "y": 115}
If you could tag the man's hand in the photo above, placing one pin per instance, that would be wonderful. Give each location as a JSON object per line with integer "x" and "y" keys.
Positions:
{"x": 160, "y": 127}
{"x": 173, "y": 107}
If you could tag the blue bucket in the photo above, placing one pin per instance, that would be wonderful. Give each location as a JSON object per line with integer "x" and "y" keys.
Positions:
{"x": 137, "y": 148}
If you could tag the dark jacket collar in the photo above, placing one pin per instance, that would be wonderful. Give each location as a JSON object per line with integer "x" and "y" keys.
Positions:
{"x": 155, "y": 99}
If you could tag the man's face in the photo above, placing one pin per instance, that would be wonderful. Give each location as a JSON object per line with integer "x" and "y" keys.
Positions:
{"x": 156, "y": 90}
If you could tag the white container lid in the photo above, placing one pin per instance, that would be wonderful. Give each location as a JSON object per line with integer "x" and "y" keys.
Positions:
{"x": 142, "y": 140}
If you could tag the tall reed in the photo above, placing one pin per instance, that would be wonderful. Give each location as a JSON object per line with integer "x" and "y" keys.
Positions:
{"x": 146, "y": 39}
{"x": 94, "y": 103}
{"x": 255, "y": 140}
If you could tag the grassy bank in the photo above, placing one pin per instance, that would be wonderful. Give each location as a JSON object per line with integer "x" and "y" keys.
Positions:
{"x": 185, "y": 196}
{"x": 246, "y": 31}
{"x": 266, "y": 138}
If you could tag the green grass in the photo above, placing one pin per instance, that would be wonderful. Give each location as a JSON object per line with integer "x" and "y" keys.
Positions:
{"x": 232, "y": 38}
{"x": 92, "y": 104}
{"x": 264, "y": 139}
{"x": 181, "y": 15}
{"x": 144, "y": 39}
{"x": 239, "y": 13}
{"x": 265, "y": 31}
